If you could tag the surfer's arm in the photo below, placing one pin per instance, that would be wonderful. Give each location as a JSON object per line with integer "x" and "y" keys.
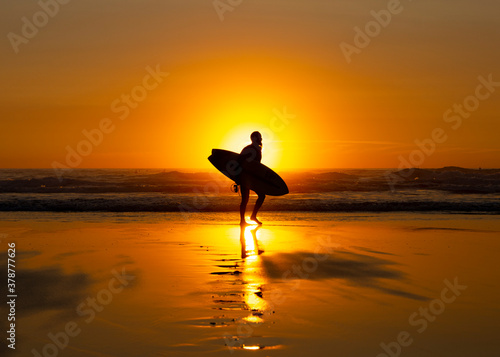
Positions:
{"x": 247, "y": 154}
{"x": 244, "y": 157}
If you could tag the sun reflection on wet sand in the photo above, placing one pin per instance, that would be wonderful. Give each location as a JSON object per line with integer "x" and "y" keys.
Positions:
{"x": 251, "y": 347}
{"x": 242, "y": 293}
{"x": 249, "y": 243}
{"x": 253, "y": 274}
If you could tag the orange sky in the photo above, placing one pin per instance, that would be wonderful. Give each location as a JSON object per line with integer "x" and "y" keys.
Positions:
{"x": 262, "y": 64}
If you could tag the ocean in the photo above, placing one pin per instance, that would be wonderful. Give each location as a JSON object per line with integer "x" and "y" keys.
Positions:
{"x": 449, "y": 189}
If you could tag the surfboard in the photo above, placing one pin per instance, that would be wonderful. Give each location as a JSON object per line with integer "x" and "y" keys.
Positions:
{"x": 256, "y": 176}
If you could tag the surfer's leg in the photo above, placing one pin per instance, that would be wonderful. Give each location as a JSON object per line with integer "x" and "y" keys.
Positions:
{"x": 258, "y": 204}
{"x": 245, "y": 194}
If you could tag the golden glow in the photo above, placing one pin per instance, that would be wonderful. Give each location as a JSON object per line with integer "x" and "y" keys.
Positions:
{"x": 249, "y": 242}
{"x": 253, "y": 319}
{"x": 245, "y": 347}
{"x": 253, "y": 275}
{"x": 255, "y": 303}
{"x": 226, "y": 81}
{"x": 239, "y": 136}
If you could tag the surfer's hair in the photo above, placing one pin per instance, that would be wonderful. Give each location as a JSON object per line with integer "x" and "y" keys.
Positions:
{"x": 255, "y": 135}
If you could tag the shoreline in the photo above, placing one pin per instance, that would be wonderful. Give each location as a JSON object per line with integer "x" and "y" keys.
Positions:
{"x": 231, "y": 217}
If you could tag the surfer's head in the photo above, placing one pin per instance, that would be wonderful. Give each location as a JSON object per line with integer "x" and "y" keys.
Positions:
{"x": 256, "y": 138}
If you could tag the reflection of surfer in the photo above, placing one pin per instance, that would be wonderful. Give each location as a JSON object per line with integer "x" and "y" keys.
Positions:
{"x": 249, "y": 245}
{"x": 252, "y": 152}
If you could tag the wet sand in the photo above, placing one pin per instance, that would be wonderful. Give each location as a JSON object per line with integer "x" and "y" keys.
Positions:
{"x": 174, "y": 285}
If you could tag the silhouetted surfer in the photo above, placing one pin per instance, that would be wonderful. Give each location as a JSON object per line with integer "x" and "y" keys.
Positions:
{"x": 252, "y": 152}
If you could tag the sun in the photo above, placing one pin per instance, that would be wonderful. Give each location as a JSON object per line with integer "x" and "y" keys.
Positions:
{"x": 242, "y": 113}
{"x": 239, "y": 137}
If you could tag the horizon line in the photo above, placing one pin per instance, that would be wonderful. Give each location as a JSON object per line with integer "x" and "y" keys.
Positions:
{"x": 281, "y": 169}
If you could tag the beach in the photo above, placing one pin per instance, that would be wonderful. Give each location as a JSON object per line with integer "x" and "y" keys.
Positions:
{"x": 167, "y": 284}
{"x": 142, "y": 143}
